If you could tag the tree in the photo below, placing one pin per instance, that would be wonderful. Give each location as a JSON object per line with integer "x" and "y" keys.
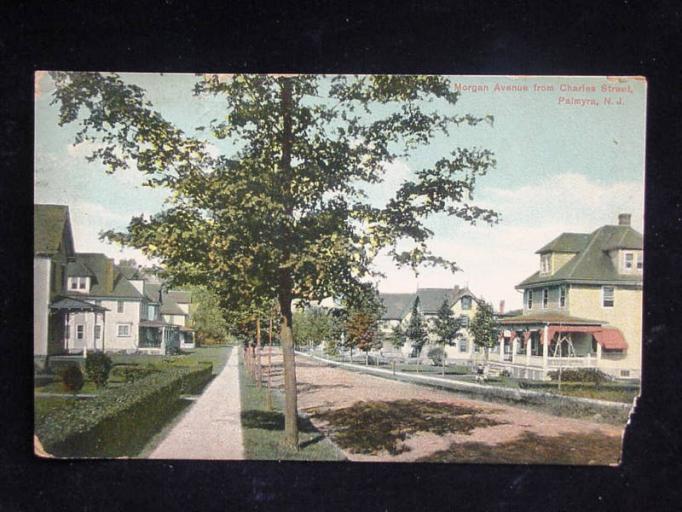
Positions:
{"x": 482, "y": 327}
{"x": 397, "y": 337}
{"x": 208, "y": 319}
{"x": 445, "y": 328}
{"x": 416, "y": 329}
{"x": 285, "y": 215}
{"x": 312, "y": 326}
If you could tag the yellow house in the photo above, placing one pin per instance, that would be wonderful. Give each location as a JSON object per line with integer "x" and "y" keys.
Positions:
{"x": 582, "y": 308}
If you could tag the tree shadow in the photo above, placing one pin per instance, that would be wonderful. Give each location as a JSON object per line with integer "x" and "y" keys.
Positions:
{"x": 273, "y": 420}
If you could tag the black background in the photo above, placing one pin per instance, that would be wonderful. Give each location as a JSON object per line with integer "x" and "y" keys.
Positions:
{"x": 588, "y": 38}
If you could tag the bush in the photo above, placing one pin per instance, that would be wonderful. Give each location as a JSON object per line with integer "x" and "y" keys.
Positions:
{"x": 437, "y": 355}
{"x": 106, "y": 425}
{"x": 580, "y": 375}
{"x": 98, "y": 366}
{"x": 72, "y": 378}
{"x": 132, "y": 373}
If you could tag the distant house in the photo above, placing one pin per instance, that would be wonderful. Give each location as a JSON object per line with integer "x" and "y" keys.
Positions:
{"x": 582, "y": 308}
{"x": 172, "y": 308}
{"x": 398, "y": 311}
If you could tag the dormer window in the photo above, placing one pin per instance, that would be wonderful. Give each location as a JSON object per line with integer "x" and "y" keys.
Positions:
{"x": 545, "y": 264}
{"x": 466, "y": 302}
{"x": 529, "y": 299}
{"x": 640, "y": 261}
{"x": 628, "y": 262}
{"x": 78, "y": 283}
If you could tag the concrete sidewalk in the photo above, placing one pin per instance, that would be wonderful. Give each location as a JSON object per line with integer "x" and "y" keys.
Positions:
{"x": 212, "y": 428}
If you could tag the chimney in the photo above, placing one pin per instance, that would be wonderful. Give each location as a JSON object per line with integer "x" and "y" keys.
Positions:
{"x": 501, "y": 307}
{"x": 624, "y": 219}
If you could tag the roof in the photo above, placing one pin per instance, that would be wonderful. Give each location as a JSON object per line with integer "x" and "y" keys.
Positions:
{"x": 181, "y": 297}
{"x": 592, "y": 263}
{"x": 50, "y": 225}
{"x": 168, "y": 304}
{"x": 129, "y": 272}
{"x": 398, "y": 305}
{"x": 547, "y": 317}
{"x": 108, "y": 280}
{"x": 73, "y": 304}
{"x": 566, "y": 242}
{"x": 155, "y": 323}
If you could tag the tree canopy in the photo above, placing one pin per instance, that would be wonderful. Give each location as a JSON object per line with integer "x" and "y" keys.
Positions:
{"x": 284, "y": 216}
{"x": 482, "y": 327}
{"x": 416, "y": 329}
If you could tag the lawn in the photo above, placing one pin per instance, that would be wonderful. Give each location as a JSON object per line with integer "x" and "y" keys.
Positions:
{"x": 263, "y": 429}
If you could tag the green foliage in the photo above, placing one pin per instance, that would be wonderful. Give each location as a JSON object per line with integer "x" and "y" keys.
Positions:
{"x": 72, "y": 378}
{"x": 593, "y": 375}
{"x": 416, "y": 329}
{"x": 397, "y": 337}
{"x": 445, "y": 325}
{"x": 482, "y": 327}
{"x": 132, "y": 373}
{"x": 363, "y": 309}
{"x": 437, "y": 355}
{"x": 285, "y": 214}
{"x": 312, "y": 326}
{"x": 104, "y": 425}
{"x": 98, "y": 365}
{"x": 208, "y": 319}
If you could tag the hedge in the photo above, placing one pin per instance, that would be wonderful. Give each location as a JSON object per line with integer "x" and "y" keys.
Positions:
{"x": 107, "y": 425}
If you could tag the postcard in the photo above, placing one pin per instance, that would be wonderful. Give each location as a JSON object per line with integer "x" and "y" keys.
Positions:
{"x": 377, "y": 268}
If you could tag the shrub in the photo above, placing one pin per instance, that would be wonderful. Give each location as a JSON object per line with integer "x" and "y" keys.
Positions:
{"x": 72, "y": 378}
{"x": 106, "y": 425}
{"x": 132, "y": 373}
{"x": 580, "y": 375}
{"x": 437, "y": 355}
{"x": 98, "y": 366}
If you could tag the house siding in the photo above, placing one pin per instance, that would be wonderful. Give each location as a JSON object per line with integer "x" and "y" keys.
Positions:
{"x": 41, "y": 304}
{"x": 130, "y": 315}
{"x": 626, "y": 315}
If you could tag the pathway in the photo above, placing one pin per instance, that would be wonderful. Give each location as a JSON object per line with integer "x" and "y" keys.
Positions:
{"x": 212, "y": 428}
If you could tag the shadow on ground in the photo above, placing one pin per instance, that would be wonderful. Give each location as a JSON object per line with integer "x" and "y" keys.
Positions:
{"x": 530, "y": 448}
{"x": 273, "y": 420}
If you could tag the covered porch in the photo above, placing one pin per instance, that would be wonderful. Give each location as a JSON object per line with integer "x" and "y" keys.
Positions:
{"x": 75, "y": 326}
{"x": 186, "y": 337}
{"x": 158, "y": 337}
{"x": 532, "y": 345}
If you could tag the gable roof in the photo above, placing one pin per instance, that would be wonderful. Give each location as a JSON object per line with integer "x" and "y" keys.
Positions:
{"x": 593, "y": 263}
{"x": 398, "y": 305}
{"x": 51, "y": 225}
{"x": 107, "y": 280}
{"x": 168, "y": 305}
{"x": 181, "y": 297}
{"x": 129, "y": 272}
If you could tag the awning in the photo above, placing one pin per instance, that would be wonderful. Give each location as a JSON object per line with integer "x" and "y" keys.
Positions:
{"x": 608, "y": 337}
{"x": 611, "y": 338}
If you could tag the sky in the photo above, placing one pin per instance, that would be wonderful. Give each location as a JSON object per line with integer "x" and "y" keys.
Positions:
{"x": 569, "y": 152}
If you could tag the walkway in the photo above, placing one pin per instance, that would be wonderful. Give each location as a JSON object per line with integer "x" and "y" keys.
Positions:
{"x": 212, "y": 428}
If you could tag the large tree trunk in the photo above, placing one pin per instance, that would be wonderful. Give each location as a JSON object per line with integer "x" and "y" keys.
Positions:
{"x": 290, "y": 391}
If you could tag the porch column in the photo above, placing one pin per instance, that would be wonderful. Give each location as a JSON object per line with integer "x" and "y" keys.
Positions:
{"x": 528, "y": 347}
{"x": 598, "y": 353}
{"x": 94, "y": 331}
{"x": 501, "y": 359}
{"x": 67, "y": 330}
{"x": 545, "y": 347}
{"x": 515, "y": 342}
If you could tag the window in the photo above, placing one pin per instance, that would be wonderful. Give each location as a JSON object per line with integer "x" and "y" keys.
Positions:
{"x": 464, "y": 321}
{"x": 545, "y": 263}
{"x": 545, "y": 298}
{"x": 119, "y": 306}
{"x": 98, "y": 332}
{"x": 79, "y": 332}
{"x": 151, "y": 312}
{"x": 123, "y": 330}
{"x": 562, "y": 297}
{"x": 640, "y": 261}
{"x": 625, "y": 373}
{"x": 628, "y": 262}
{"x": 466, "y": 302}
{"x": 529, "y": 299}
{"x": 607, "y": 296}
{"x": 81, "y": 282}
{"x": 463, "y": 346}
{"x": 73, "y": 283}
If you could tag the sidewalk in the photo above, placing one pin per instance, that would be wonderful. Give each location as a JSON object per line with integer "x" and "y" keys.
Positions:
{"x": 212, "y": 428}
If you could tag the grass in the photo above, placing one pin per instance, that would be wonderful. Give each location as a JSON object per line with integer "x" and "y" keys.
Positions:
{"x": 374, "y": 427}
{"x": 263, "y": 430}
{"x": 584, "y": 449}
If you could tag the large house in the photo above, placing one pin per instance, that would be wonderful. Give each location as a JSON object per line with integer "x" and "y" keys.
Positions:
{"x": 398, "y": 311}
{"x": 83, "y": 301}
{"x": 582, "y": 308}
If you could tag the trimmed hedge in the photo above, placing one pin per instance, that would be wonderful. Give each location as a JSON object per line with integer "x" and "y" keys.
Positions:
{"x": 106, "y": 426}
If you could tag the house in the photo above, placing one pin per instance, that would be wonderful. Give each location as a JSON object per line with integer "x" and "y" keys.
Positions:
{"x": 582, "y": 308}
{"x": 171, "y": 307}
{"x": 53, "y": 248}
{"x": 398, "y": 311}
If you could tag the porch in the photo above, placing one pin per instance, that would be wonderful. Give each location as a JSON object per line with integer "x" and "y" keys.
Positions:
{"x": 75, "y": 326}
{"x": 158, "y": 337}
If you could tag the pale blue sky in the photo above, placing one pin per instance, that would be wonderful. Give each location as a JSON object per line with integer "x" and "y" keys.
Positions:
{"x": 560, "y": 167}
